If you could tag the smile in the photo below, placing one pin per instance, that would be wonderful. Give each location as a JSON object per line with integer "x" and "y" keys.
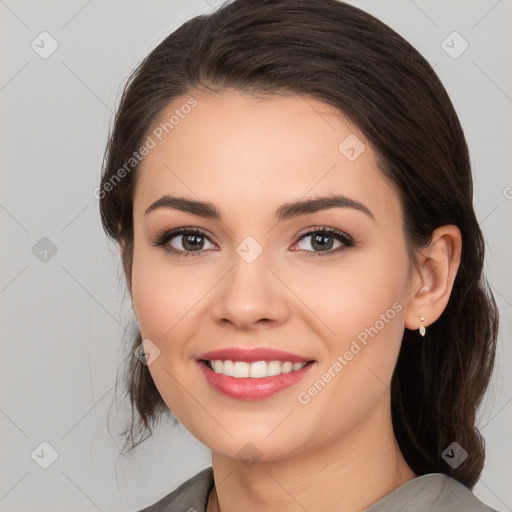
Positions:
{"x": 255, "y": 370}
{"x": 253, "y": 380}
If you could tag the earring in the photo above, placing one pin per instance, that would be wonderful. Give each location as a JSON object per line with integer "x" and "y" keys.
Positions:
{"x": 422, "y": 327}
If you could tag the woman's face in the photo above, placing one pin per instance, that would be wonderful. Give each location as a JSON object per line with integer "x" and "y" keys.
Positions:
{"x": 252, "y": 279}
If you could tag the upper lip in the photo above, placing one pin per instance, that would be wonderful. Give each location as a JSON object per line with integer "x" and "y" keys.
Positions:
{"x": 252, "y": 355}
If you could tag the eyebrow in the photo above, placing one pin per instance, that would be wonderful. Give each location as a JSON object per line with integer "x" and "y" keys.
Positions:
{"x": 284, "y": 212}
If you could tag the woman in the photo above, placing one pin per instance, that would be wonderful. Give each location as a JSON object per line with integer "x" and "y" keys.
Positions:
{"x": 291, "y": 191}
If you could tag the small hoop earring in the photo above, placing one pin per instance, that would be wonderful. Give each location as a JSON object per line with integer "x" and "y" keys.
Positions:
{"x": 422, "y": 327}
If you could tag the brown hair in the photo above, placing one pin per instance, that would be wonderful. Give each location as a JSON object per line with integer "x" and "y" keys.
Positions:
{"x": 342, "y": 56}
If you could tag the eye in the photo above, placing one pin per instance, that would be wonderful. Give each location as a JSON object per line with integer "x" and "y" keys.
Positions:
{"x": 323, "y": 239}
{"x": 191, "y": 241}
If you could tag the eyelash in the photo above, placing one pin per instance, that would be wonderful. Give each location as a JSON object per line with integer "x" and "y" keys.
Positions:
{"x": 162, "y": 239}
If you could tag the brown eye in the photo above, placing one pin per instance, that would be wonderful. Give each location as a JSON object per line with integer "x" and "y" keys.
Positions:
{"x": 322, "y": 240}
{"x": 182, "y": 241}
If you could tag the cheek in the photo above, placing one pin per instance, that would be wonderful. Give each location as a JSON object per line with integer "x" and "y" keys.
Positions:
{"x": 354, "y": 295}
{"x": 362, "y": 306}
{"x": 157, "y": 296}
{"x": 160, "y": 299}
{"x": 168, "y": 297}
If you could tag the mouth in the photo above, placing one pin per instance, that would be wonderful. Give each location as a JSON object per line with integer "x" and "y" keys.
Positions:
{"x": 253, "y": 380}
{"x": 253, "y": 370}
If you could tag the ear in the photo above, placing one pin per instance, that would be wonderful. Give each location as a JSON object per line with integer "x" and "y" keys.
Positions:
{"x": 432, "y": 280}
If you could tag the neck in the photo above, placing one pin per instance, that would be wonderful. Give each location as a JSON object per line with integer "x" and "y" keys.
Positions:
{"x": 350, "y": 474}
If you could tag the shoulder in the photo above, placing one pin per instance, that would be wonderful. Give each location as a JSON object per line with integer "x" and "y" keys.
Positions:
{"x": 432, "y": 492}
{"x": 190, "y": 496}
{"x": 459, "y": 497}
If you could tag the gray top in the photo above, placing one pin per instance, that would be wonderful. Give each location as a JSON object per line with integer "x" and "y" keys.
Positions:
{"x": 433, "y": 492}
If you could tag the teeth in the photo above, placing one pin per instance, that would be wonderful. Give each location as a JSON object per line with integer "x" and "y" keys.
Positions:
{"x": 256, "y": 370}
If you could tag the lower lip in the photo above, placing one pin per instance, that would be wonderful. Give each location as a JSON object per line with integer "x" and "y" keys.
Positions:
{"x": 252, "y": 389}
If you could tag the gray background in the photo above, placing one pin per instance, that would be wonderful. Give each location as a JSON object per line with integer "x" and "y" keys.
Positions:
{"x": 62, "y": 320}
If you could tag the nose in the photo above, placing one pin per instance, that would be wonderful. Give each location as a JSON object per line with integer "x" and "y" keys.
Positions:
{"x": 251, "y": 296}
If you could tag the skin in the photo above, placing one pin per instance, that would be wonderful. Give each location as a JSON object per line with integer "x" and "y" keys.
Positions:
{"x": 249, "y": 156}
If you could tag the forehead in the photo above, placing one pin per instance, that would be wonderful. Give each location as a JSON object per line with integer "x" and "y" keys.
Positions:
{"x": 238, "y": 151}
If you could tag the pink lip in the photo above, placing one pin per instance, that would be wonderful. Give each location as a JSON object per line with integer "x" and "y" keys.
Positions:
{"x": 252, "y": 355}
{"x": 252, "y": 389}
